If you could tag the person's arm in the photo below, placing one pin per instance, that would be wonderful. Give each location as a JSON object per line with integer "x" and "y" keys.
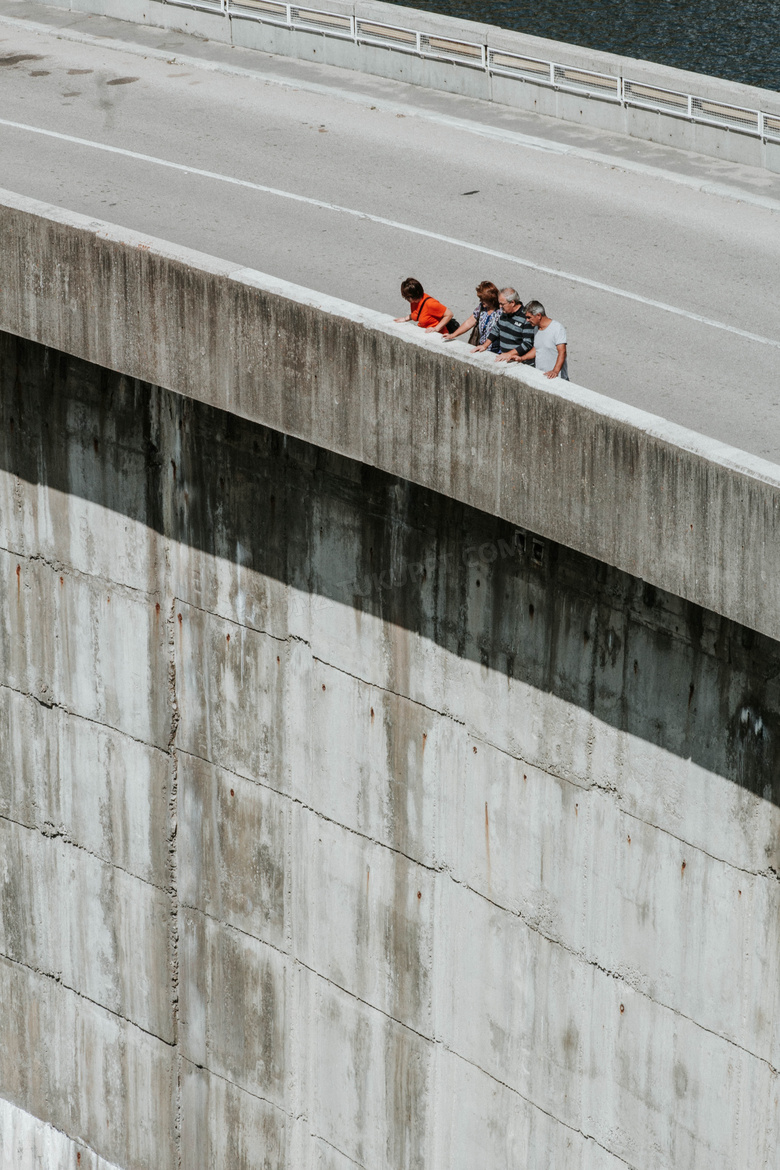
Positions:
{"x": 442, "y": 324}
{"x": 511, "y": 355}
{"x": 491, "y": 337}
{"x": 466, "y": 327}
{"x": 525, "y": 351}
{"x": 408, "y": 317}
{"x": 555, "y": 371}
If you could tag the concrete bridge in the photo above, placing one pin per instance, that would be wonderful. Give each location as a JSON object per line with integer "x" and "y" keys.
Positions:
{"x": 389, "y": 768}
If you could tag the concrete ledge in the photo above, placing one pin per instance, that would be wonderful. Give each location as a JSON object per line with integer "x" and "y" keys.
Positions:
{"x": 678, "y": 510}
{"x": 654, "y": 125}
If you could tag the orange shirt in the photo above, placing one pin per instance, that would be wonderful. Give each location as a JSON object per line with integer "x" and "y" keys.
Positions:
{"x": 431, "y": 314}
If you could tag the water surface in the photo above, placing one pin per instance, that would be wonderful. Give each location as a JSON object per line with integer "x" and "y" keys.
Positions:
{"x": 740, "y": 41}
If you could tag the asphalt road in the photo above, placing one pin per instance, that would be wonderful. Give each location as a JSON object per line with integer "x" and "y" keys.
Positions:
{"x": 346, "y": 184}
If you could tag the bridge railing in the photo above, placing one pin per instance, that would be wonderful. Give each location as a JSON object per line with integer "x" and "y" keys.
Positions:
{"x": 618, "y": 89}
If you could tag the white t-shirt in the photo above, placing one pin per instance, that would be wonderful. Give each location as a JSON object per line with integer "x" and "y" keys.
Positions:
{"x": 546, "y": 342}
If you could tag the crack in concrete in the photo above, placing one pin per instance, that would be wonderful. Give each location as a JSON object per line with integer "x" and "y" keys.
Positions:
{"x": 241, "y": 1088}
{"x": 290, "y": 1114}
{"x": 60, "y": 834}
{"x": 59, "y": 982}
{"x": 427, "y": 1038}
{"x": 389, "y": 691}
{"x": 60, "y": 568}
{"x": 548, "y": 770}
{"x": 616, "y": 975}
{"x": 297, "y": 800}
{"x": 259, "y": 630}
{"x": 534, "y": 1105}
{"x": 432, "y": 868}
{"x": 319, "y": 1138}
{"x": 580, "y": 785}
{"x": 611, "y": 790}
{"x": 56, "y": 705}
{"x": 172, "y": 751}
{"x": 173, "y": 867}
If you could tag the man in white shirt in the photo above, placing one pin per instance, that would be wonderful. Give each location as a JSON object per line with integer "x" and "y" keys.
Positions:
{"x": 549, "y": 349}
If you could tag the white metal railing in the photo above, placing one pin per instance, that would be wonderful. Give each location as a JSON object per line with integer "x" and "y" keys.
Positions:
{"x": 201, "y": 5}
{"x": 603, "y": 86}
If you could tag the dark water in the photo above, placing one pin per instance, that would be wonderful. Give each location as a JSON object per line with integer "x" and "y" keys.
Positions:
{"x": 740, "y": 41}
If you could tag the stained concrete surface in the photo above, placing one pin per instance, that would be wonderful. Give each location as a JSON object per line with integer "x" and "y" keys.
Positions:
{"x": 548, "y": 455}
{"x": 639, "y": 231}
{"x": 457, "y": 848}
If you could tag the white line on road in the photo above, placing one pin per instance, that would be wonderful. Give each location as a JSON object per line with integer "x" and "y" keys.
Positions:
{"x": 379, "y": 100}
{"x": 391, "y": 223}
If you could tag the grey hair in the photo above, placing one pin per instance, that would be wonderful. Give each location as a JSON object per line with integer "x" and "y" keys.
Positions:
{"x": 534, "y": 307}
{"x": 511, "y": 295}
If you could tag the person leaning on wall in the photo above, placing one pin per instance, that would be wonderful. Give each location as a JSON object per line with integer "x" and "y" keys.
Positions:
{"x": 424, "y": 310}
{"x": 483, "y": 318}
{"x": 549, "y": 348}
{"x": 510, "y": 330}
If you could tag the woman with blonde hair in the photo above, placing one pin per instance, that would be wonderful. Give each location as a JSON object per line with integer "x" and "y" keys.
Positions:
{"x": 483, "y": 317}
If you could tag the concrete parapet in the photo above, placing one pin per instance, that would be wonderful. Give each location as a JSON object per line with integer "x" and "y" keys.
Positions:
{"x": 681, "y": 511}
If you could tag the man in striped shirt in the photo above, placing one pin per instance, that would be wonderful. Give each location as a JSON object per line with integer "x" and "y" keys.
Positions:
{"x": 514, "y": 334}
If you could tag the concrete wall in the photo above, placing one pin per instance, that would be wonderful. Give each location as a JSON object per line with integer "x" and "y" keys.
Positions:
{"x": 684, "y": 513}
{"x": 342, "y": 826}
{"x": 655, "y": 126}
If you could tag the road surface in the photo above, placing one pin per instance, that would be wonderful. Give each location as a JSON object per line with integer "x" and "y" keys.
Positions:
{"x": 663, "y": 266}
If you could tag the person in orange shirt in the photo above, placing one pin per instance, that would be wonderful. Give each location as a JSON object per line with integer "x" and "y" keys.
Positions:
{"x": 425, "y": 311}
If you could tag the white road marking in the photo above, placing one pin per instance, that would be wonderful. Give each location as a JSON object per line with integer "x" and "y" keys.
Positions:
{"x": 392, "y": 223}
{"x": 378, "y": 101}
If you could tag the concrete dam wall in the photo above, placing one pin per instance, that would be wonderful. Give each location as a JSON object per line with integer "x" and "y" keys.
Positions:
{"x": 348, "y": 821}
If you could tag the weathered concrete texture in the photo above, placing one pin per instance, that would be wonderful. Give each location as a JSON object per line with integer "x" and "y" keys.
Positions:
{"x": 682, "y": 512}
{"x": 27, "y": 1143}
{"x": 451, "y": 77}
{"x": 431, "y": 844}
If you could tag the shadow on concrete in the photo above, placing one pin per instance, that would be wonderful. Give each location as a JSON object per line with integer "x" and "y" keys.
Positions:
{"x": 639, "y": 659}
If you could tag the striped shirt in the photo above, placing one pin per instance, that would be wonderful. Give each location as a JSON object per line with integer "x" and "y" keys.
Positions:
{"x": 512, "y": 331}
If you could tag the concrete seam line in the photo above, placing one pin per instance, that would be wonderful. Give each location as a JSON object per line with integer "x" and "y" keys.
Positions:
{"x": 207, "y": 1068}
{"x": 394, "y": 224}
{"x": 309, "y": 808}
{"x": 55, "y": 705}
{"x": 71, "y": 714}
{"x": 692, "y": 443}
{"x": 612, "y": 973}
{"x": 510, "y": 137}
{"x": 71, "y": 843}
{"x": 57, "y": 980}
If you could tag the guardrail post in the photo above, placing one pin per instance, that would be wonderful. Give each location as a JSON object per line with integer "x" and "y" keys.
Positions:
{"x": 690, "y": 106}
{"x": 761, "y": 126}
{"x": 418, "y": 43}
